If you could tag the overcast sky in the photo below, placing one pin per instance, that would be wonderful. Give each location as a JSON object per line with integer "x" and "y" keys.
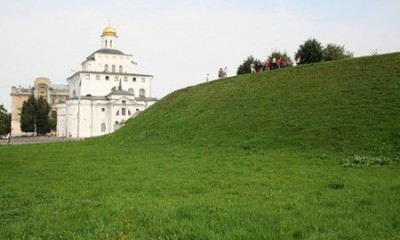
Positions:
{"x": 180, "y": 42}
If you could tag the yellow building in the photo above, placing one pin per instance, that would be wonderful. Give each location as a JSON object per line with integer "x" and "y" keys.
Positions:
{"x": 54, "y": 93}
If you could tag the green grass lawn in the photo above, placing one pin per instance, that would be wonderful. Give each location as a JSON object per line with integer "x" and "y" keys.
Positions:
{"x": 258, "y": 156}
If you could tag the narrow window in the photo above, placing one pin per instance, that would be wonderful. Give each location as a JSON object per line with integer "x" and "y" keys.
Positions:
{"x": 120, "y": 68}
{"x": 142, "y": 93}
{"x": 134, "y": 79}
{"x": 103, "y": 127}
{"x": 107, "y": 77}
{"x": 117, "y": 113}
{"x": 106, "y": 43}
{"x": 110, "y": 43}
{"x": 123, "y": 111}
{"x": 106, "y": 68}
{"x": 113, "y": 68}
{"x": 103, "y": 109}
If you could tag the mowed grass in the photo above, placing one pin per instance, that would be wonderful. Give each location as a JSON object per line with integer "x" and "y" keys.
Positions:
{"x": 253, "y": 157}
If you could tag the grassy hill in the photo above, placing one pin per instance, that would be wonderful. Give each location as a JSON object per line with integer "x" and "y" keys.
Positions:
{"x": 258, "y": 156}
{"x": 349, "y": 106}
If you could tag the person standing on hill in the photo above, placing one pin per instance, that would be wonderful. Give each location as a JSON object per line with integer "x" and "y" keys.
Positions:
{"x": 252, "y": 67}
{"x": 220, "y": 73}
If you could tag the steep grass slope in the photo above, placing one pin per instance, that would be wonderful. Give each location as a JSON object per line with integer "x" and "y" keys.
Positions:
{"x": 350, "y": 106}
{"x": 251, "y": 157}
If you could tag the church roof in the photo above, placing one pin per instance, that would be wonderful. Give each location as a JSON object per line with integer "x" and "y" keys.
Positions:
{"x": 119, "y": 91}
{"x": 109, "y": 31}
{"x": 105, "y": 51}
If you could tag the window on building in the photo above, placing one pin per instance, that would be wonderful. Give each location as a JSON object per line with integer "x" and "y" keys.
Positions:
{"x": 123, "y": 102}
{"x": 123, "y": 111}
{"x": 107, "y": 78}
{"x": 115, "y": 78}
{"x": 106, "y": 43}
{"x": 97, "y": 77}
{"x": 117, "y": 114}
{"x": 103, "y": 127}
{"x": 120, "y": 69}
{"x": 142, "y": 92}
{"x": 111, "y": 43}
{"x": 106, "y": 68}
{"x": 131, "y": 91}
{"x": 134, "y": 79}
{"x": 103, "y": 109}
{"x": 113, "y": 68}
{"x": 143, "y": 79}
{"x": 125, "y": 79}
{"x": 129, "y": 113}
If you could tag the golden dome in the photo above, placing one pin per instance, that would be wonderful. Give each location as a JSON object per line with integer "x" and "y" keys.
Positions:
{"x": 109, "y": 31}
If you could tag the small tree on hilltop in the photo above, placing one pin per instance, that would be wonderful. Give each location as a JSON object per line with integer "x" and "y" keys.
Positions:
{"x": 286, "y": 61}
{"x": 335, "y": 52}
{"x": 245, "y": 67}
{"x": 309, "y": 52}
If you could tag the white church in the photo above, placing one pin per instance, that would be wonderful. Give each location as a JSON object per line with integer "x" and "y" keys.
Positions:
{"x": 105, "y": 93}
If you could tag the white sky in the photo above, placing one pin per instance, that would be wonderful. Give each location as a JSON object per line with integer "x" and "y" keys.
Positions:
{"x": 178, "y": 41}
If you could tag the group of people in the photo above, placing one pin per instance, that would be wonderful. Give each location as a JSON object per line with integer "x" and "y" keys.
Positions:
{"x": 268, "y": 65}
{"x": 222, "y": 73}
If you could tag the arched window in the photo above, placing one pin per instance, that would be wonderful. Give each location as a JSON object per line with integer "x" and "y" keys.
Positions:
{"x": 113, "y": 68}
{"x": 142, "y": 92}
{"x": 74, "y": 93}
{"x": 131, "y": 91}
{"x": 106, "y": 68}
{"x": 120, "y": 68}
{"x": 106, "y": 43}
{"x": 110, "y": 43}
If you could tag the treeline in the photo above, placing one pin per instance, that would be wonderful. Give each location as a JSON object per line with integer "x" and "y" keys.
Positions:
{"x": 310, "y": 51}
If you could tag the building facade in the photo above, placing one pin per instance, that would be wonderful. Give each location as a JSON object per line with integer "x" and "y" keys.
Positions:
{"x": 42, "y": 87}
{"x": 105, "y": 93}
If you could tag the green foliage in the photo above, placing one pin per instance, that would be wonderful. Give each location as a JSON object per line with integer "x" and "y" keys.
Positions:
{"x": 286, "y": 61}
{"x": 335, "y": 52}
{"x": 311, "y": 51}
{"x": 28, "y": 114}
{"x": 43, "y": 124}
{"x": 35, "y": 116}
{"x": 244, "y": 68}
{"x": 5, "y": 121}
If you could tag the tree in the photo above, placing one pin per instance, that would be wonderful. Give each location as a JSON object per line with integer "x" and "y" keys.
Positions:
{"x": 35, "y": 116}
{"x": 286, "y": 61}
{"x": 42, "y": 116}
{"x": 245, "y": 67}
{"x": 5, "y": 120}
{"x": 335, "y": 52}
{"x": 28, "y": 111}
{"x": 309, "y": 52}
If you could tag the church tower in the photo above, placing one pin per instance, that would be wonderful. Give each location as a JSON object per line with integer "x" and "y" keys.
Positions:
{"x": 105, "y": 93}
{"x": 109, "y": 38}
